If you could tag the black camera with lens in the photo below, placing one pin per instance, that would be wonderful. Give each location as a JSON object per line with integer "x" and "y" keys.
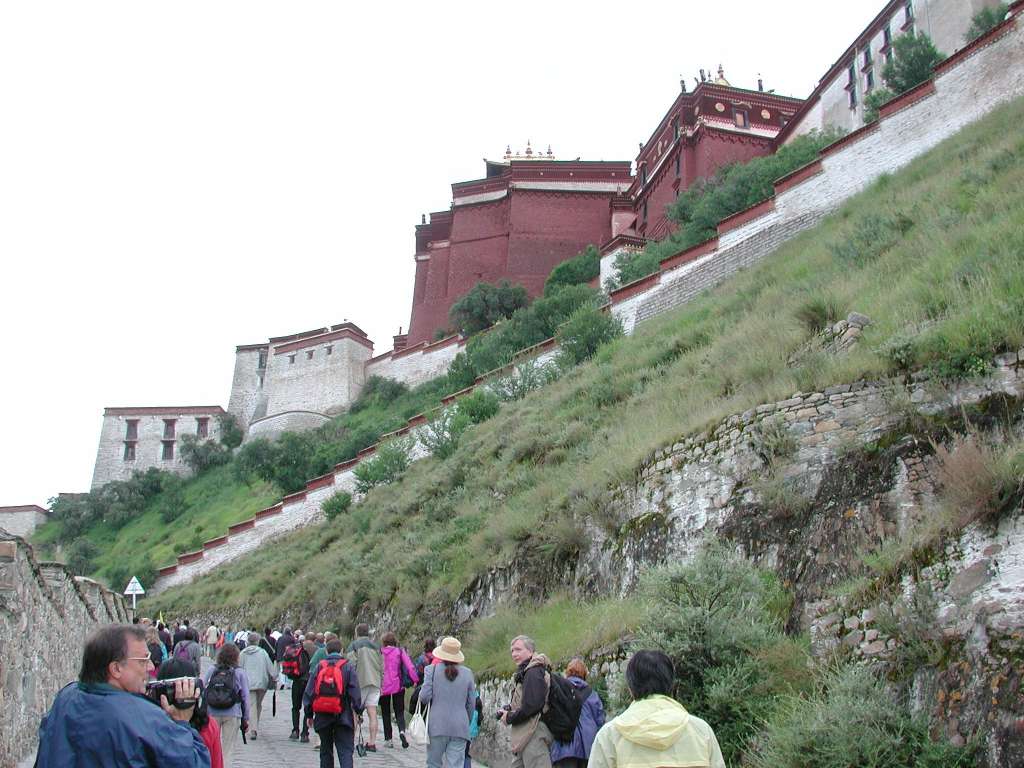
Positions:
{"x": 157, "y": 688}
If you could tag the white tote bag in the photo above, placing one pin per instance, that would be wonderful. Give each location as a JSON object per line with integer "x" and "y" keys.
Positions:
{"x": 416, "y": 730}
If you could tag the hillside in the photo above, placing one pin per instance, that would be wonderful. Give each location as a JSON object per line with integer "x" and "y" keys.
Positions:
{"x": 931, "y": 255}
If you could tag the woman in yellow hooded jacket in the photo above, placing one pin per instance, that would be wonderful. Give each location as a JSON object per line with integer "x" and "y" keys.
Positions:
{"x": 655, "y": 731}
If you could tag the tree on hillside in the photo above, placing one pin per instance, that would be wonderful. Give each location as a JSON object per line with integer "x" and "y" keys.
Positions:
{"x": 579, "y": 270}
{"x": 984, "y": 20}
{"x": 486, "y": 304}
{"x": 912, "y": 62}
{"x": 873, "y": 103}
{"x": 230, "y": 433}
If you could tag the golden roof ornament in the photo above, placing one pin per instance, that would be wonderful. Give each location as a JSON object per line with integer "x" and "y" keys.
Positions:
{"x": 720, "y": 80}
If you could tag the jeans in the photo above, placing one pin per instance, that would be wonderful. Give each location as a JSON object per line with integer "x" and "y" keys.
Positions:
{"x": 336, "y": 737}
{"x": 396, "y": 701}
{"x": 446, "y": 752}
{"x": 298, "y": 688}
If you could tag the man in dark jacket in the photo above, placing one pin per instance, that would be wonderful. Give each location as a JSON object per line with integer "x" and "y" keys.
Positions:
{"x": 286, "y": 639}
{"x": 529, "y": 736}
{"x": 181, "y": 632}
{"x": 104, "y": 720}
{"x": 267, "y": 644}
{"x": 336, "y": 732}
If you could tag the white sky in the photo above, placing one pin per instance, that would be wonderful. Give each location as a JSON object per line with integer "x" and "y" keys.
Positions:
{"x": 178, "y": 178}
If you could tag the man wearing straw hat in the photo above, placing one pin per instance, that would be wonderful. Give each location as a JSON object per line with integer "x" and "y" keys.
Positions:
{"x": 530, "y": 737}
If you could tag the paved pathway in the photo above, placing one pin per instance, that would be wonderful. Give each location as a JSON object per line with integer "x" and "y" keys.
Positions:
{"x": 272, "y": 749}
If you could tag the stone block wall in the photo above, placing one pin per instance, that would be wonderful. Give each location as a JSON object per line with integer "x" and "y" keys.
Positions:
{"x": 45, "y": 616}
{"x": 22, "y": 520}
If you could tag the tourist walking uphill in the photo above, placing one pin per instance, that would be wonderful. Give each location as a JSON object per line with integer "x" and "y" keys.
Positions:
{"x": 295, "y": 665}
{"x": 365, "y": 654}
{"x": 100, "y": 721}
{"x": 576, "y": 752}
{"x": 450, "y": 690}
{"x": 655, "y": 730}
{"x": 332, "y": 695}
{"x": 262, "y": 676}
{"x": 227, "y": 696}
{"x": 399, "y": 674}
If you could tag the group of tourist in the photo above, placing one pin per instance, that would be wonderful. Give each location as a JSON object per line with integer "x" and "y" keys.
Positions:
{"x": 138, "y": 702}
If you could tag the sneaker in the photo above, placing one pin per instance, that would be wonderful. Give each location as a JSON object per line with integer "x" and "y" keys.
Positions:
{"x": 304, "y": 739}
{"x": 316, "y": 747}
{"x": 371, "y": 747}
{"x": 253, "y": 735}
{"x": 405, "y": 741}
{"x": 293, "y": 736}
{"x": 389, "y": 743}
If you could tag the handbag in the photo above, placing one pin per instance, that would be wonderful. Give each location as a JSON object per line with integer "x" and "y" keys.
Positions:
{"x": 416, "y": 731}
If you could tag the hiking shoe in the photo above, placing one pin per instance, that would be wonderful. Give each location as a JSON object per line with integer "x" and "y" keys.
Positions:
{"x": 405, "y": 741}
{"x": 253, "y": 735}
{"x": 293, "y": 736}
{"x": 371, "y": 747}
{"x": 304, "y": 739}
{"x": 389, "y": 743}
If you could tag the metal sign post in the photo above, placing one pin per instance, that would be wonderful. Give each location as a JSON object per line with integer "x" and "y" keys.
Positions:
{"x": 134, "y": 588}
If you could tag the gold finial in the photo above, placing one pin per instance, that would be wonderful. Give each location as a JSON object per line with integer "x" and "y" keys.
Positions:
{"x": 720, "y": 80}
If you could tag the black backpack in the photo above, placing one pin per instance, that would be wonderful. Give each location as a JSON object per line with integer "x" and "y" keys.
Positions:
{"x": 564, "y": 706}
{"x": 220, "y": 691}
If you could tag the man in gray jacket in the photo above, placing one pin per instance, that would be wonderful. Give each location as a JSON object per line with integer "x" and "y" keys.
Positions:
{"x": 365, "y": 654}
{"x": 262, "y": 675}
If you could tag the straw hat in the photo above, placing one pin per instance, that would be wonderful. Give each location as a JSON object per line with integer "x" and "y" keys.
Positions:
{"x": 450, "y": 649}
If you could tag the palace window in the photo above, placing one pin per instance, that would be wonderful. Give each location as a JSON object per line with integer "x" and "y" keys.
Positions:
{"x": 908, "y": 17}
{"x": 169, "y": 429}
{"x": 262, "y": 363}
{"x": 679, "y": 163}
{"x": 259, "y": 382}
{"x": 291, "y": 359}
{"x": 131, "y": 429}
{"x": 167, "y": 453}
{"x": 867, "y": 57}
{"x": 202, "y": 427}
{"x": 869, "y": 81}
{"x": 675, "y": 128}
{"x": 643, "y": 174}
{"x": 851, "y": 84}
{"x": 129, "y": 450}
{"x": 330, "y": 349}
{"x": 887, "y": 44}
{"x": 645, "y": 212}
{"x": 309, "y": 355}
{"x": 741, "y": 118}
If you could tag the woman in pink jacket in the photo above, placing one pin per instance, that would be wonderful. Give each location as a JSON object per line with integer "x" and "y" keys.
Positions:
{"x": 392, "y": 692}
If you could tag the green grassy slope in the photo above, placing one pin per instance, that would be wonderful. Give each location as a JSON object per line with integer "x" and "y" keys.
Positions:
{"x": 934, "y": 255}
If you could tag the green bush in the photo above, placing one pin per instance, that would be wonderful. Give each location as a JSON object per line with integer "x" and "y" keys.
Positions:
{"x": 721, "y": 621}
{"x": 853, "y": 720}
{"x": 338, "y": 504}
{"x": 873, "y": 103}
{"x": 984, "y": 20}
{"x": 231, "y": 434}
{"x": 579, "y": 270}
{"x": 914, "y": 56}
{"x": 486, "y": 304}
{"x": 171, "y": 503}
{"x": 528, "y": 376}
{"x": 388, "y": 464}
{"x": 79, "y": 556}
{"x": 733, "y": 188}
{"x": 818, "y": 313}
{"x": 478, "y": 406}
{"x": 587, "y": 329}
{"x": 379, "y": 391}
{"x": 527, "y": 327}
{"x": 871, "y": 236}
{"x": 441, "y": 436}
{"x": 201, "y": 455}
{"x": 255, "y": 460}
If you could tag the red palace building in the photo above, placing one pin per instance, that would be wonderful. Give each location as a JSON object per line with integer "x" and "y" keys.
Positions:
{"x": 530, "y": 212}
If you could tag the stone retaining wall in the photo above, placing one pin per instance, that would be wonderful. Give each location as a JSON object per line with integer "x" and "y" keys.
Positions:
{"x": 45, "y": 616}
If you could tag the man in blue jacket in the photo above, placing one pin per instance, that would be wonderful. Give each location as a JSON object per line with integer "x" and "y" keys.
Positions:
{"x": 336, "y": 729}
{"x": 106, "y": 720}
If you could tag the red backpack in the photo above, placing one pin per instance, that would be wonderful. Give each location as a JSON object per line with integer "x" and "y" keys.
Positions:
{"x": 329, "y": 688}
{"x": 295, "y": 662}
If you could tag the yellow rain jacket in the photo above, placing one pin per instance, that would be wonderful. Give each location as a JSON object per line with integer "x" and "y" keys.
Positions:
{"x": 656, "y": 732}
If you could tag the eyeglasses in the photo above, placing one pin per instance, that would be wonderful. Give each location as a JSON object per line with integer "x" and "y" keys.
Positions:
{"x": 146, "y": 659}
